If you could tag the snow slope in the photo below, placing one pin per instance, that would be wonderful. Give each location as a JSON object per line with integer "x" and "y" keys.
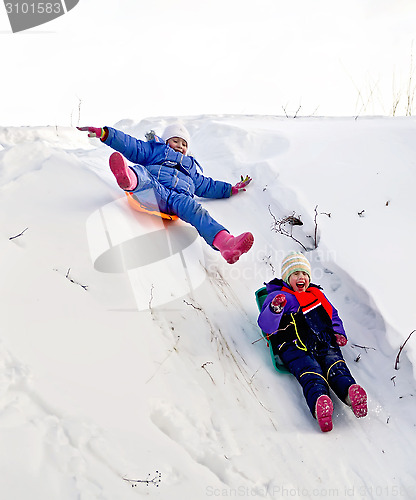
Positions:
{"x": 97, "y": 392}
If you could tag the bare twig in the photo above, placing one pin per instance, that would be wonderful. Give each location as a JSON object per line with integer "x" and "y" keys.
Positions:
{"x": 316, "y": 227}
{"x": 204, "y": 367}
{"x": 192, "y": 305}
{"x": 17, "y": 235}
{"x": 364, "y": 105}
{"x": 279, "y": 225}
{"x": 254, "y": 374}
{"x": 170, "y": 351}
{"x": 328, "y": 214}
{"x": 396, "y": 364}
{"x": 268, "y": 261}
{"x": 295, "y": 115}
{"x": 155, "y": 480}
{"x": 85, "y": 287}
{"x": 79, "y": 110}
{"x": 410, "y": 88}
{"x": 151, "y": 297}
{"x": 396, "y": 99}
{"x": 364, "y": 347}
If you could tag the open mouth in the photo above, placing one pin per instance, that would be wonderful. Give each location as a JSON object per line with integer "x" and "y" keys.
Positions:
{"x": 300, "y": 285}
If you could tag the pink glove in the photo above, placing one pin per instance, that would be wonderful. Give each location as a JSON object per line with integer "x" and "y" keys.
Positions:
{"x": 240, "y": 186}
{"x": 341, "y": 340}
{"x": 92, "y": 131}
{"x": 278, "y": 303}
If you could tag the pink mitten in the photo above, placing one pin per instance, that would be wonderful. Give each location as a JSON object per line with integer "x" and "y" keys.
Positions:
{"x": 92, "y": 131}
{"x": 341, "y": 340}
{"x": 240, "y": 186}
{"x": 278, "y": 303}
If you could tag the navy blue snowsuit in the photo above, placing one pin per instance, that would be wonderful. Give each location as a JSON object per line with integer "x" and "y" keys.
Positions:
{"x": 303, "y": 335}
{"x": 168, "y": 181}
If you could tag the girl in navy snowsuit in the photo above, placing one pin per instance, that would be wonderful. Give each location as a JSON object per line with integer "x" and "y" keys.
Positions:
{"x": 305, "y": 331}
{"x": 163, "y": 178}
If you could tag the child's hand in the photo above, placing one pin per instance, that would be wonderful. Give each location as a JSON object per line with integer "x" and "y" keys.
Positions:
{"x": 240, "y": 186}
{"x": 341, "y": 340}
{"x": 278, "y": 303}
{"x": 92, "y": 131}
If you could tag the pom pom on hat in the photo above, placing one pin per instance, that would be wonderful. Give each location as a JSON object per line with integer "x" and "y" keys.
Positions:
{"x": 176, "y": 130}
{"x": 294, "y": 262}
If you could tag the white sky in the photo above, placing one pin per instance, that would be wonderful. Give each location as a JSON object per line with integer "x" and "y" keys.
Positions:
{"x": 135, "y": 59}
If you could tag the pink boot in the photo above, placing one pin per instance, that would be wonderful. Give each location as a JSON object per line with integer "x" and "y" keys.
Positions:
{"x": 357, "y": 399}
{"x": 323, "y": 412}
{"x": 125, "y": 177}
{"x": 232, "y": 247}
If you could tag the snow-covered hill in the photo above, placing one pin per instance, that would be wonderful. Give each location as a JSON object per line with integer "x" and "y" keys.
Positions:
{"x": 100, "y": 387}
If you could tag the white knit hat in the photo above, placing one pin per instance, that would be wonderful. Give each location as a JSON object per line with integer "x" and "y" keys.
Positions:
{"x": 294, "y": 262}
{"x": 176, "y": 130}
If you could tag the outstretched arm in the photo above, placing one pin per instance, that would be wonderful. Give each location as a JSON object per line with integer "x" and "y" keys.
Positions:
{"x": 206, "y": 187}
{"x": 133, "y": 149}
{"x": 209, "y": 188}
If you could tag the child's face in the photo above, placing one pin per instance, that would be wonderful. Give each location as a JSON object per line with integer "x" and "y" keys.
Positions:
{"x": 299, "y": 281}
{"x": 178, "y": 144}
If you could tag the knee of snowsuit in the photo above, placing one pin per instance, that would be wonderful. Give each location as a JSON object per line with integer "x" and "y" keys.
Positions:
{"x": 317, "y": 374}
{"x": 155, "y": 195}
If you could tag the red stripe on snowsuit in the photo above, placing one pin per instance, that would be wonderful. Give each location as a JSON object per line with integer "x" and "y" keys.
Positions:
{"x": 311, "y": 298}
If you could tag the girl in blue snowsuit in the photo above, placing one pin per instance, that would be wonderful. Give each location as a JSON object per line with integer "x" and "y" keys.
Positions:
{"x": 305, "y": 331}
{"x": 164, "y": 179}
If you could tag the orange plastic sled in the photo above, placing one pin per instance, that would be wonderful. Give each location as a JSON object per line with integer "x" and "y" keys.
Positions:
{"x": 136, "y": 205}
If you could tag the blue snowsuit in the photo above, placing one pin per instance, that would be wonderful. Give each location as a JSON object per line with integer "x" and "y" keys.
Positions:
{"x": 168, "y": 181}
{"x": 303, "y": 336}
